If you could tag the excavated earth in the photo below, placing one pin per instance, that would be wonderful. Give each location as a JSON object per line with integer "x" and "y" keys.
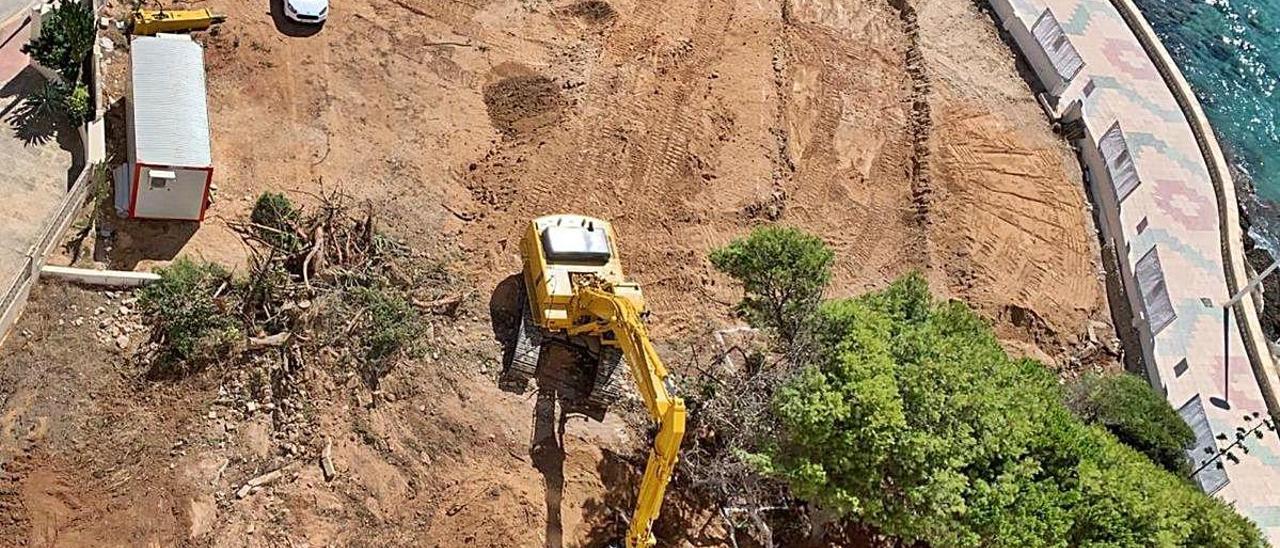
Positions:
{"x": 899, "y": 131}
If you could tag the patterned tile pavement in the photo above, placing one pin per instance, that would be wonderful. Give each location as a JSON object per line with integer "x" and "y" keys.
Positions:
{"x": 1177, "y": 201}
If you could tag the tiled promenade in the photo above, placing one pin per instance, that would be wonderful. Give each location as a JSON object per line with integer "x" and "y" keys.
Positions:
{"x": 1167, "y": 233}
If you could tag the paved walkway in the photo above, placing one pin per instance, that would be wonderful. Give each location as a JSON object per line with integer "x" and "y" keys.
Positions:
{"x": 40, "y": 157}
{"x": 1170, "y": 213}
{"x": 10, "y": 9}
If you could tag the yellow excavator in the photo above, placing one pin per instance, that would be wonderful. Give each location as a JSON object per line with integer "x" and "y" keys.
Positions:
{"x": 575, "y": 293}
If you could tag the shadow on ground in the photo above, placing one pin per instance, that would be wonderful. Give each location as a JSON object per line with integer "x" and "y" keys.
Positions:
{"x": 136, "y": 240}
{"x": 33, "y": 125}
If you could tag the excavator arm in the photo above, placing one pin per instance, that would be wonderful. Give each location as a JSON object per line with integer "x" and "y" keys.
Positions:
{"x": 616, "y": 314}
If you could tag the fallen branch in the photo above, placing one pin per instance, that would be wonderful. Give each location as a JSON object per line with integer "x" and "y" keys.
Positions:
{"x": 279, "y": 339}
{"x": 260, "y": 481}
{"x": 316, "y": 246}
{"x": 447, "y": 306}
{"x": 461, "y": 215}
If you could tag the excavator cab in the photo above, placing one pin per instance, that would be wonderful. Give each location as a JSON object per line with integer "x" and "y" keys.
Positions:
{"x": 575, "y": 294}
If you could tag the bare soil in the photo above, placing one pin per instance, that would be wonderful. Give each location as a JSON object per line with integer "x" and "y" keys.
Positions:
{"x": 900, "y": 132}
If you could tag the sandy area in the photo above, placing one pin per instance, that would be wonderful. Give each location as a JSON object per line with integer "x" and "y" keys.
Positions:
{"x": 906, "y": 142}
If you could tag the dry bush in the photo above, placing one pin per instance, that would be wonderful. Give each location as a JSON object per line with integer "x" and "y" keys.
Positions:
{"x": 730, "y": 414}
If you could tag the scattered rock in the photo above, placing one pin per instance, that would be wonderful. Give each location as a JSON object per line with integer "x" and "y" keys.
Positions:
{"x": 251, "y": 406}
{"x": 122, "y": 341}
{"x": 326, "y": 460}
{"x": 108, "y": 46}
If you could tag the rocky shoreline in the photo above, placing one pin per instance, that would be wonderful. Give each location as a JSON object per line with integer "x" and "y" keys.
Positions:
{"x": 1258, "y": 258}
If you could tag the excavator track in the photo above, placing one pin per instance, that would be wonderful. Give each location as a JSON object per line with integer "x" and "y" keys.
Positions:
{"x": 523, "y": 363}
{"x": 606, "y": 386}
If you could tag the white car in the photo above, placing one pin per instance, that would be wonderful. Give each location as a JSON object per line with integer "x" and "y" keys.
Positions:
{"x": 307, "y": 11}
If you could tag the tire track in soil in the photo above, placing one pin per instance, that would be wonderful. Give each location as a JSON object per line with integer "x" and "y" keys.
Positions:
{"x": 624, "y": 152}
{"x": 666, "y": 116}
{"x": 838, "y": 150}
{"x": 920, "y": 125}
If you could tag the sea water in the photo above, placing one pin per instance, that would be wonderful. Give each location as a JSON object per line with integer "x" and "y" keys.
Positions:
{"x": 1229, "y": 51}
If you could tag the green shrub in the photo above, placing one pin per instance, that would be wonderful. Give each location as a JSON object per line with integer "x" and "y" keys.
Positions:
{"x": 783, "y": 272}
{"x": 76, "y": 104}
{"x": 276, "y": 218}
{"x": 191, "y": 326}
{"x": 1127, "y": 407}
{"x": 58, "y": 98}
{"x": 911, "y": 418}
{"x": 66, "y": 38}
{"x": 386, "y": 326}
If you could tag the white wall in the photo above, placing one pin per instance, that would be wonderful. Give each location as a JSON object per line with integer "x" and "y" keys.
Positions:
{"x": 181, "y": 198}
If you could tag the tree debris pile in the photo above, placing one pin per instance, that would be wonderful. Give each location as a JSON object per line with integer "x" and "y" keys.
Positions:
{"x": 322, "y": 286}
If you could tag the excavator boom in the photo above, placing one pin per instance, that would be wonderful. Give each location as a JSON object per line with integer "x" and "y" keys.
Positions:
{"x": 616, "y": 314}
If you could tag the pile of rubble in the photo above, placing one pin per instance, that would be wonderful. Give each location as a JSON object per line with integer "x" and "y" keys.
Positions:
{"x": 119, "y": 324}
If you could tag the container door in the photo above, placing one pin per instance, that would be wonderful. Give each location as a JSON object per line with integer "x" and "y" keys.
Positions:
{"x": 170, "y": 193}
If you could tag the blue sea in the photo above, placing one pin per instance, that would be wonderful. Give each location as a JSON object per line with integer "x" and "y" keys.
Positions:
{"x": 1229, "y": 50}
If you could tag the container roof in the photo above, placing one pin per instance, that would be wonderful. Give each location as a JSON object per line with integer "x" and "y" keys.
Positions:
{"x": 170, "y": 112}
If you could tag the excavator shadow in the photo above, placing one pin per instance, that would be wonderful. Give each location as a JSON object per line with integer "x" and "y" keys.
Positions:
{"x": 546, "y": 450}
{"x": 559, "y": 389}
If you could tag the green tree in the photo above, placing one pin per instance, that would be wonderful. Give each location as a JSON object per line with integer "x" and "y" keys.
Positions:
{"x": 783, "y": 272}
{"x": 66, "y": 38}
{"x": 913, "y": 419}
{"x": 1127, "y": 407}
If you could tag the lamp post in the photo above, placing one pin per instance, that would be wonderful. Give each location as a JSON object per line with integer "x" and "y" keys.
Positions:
{"x": 1225, "y": 402}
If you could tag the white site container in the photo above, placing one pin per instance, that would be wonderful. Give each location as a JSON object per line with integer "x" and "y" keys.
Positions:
{"x": 170, "y": 166}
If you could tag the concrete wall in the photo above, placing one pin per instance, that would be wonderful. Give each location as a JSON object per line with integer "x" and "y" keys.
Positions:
{"x": 1102, "y": 188}
{"x": 1034, "y": 55}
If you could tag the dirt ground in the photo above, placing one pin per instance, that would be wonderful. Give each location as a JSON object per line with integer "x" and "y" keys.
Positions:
{"x": 898, "y": 131}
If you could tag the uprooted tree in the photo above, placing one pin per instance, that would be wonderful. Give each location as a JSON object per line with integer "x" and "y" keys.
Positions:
{"x": 783, "y": 272}
{"x": 904, "y": 414}
{"x": 187, "y": 306}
